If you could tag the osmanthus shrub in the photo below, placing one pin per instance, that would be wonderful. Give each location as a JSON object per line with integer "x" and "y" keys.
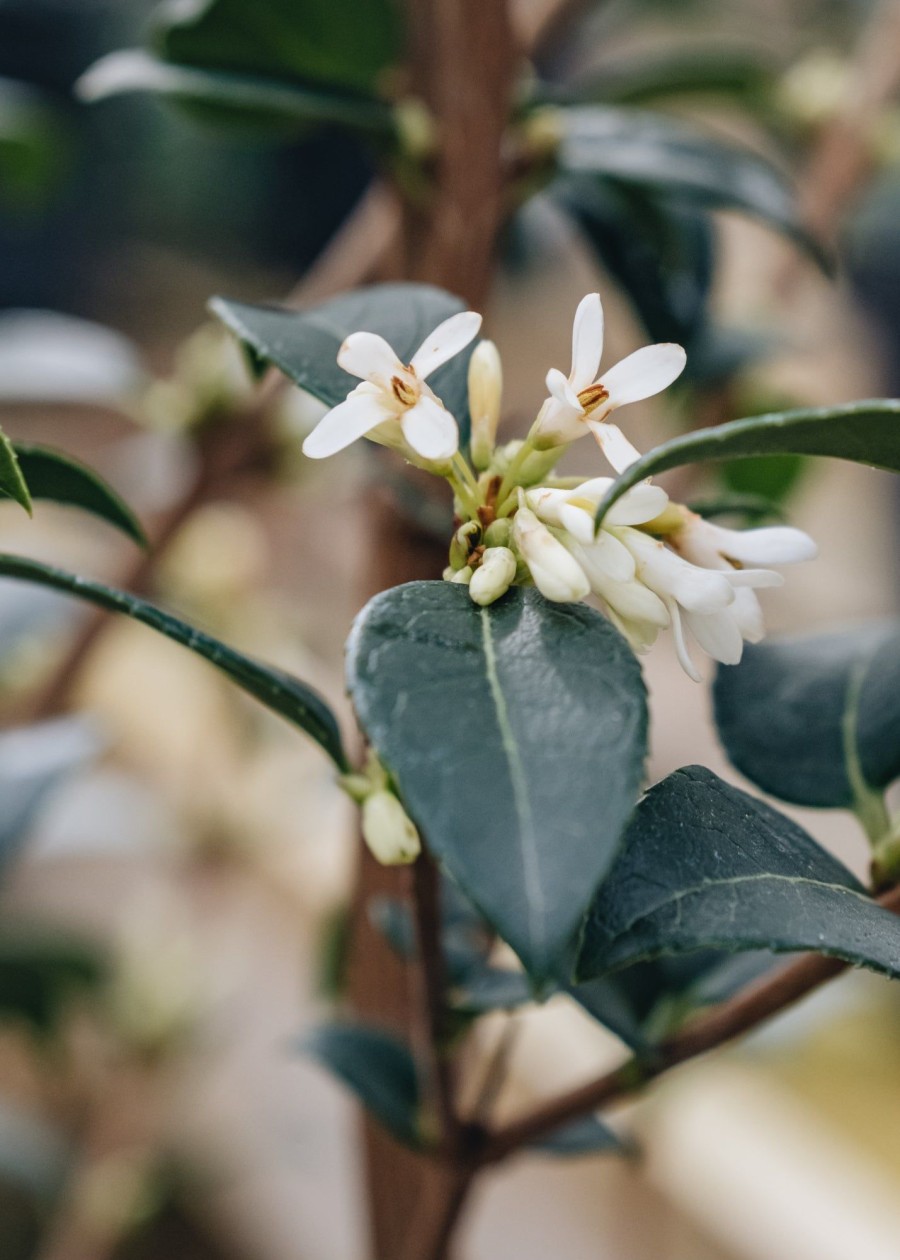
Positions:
{"x": 506, "y": 716}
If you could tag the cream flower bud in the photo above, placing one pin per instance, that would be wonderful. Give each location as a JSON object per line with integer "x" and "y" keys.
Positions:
{"x": 485, "y": 390}
{"x": 388, "y": 830}
{"x": 494, "y": 577}
{"x": 556, "y": 573}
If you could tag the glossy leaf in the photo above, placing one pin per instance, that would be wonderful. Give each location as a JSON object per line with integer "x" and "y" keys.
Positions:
{"x": 659, "y": 152}
{"x": 34, "y": 148}
{"x": 378, "y": 1068}
{"x": 705, "y": 866}
{"x": 864, "y": 432}
{"x": 12, "y": 480}
{"x": 679, "y": 71}
{"x": 348, "y": 45}
{"x": 277, "y": 690}
{"x": 240, "y": 98}
{"x": 516, "y": 735}
{"x": 815, "y": 720}
{"x": 661, "y": 255}
{"x": 587, "y": 1136}
{"x": 304, "y": 344}
{"x": 54, "y": 476}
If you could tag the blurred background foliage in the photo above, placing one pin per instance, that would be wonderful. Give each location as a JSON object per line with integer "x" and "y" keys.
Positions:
{"x": 151, "y": 154}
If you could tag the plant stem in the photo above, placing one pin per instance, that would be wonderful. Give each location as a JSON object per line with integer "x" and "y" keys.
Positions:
{"x": 748, "y": 1009}
{"x": 430, "y": 975}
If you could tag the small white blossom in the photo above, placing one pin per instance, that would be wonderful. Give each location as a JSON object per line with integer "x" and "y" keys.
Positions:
{"x": 555, "y": 571}
{"x": 581, "y": 401}
{"x": 494, "y": 576}
{"x": 388, "y": 830}
{"x": 395, "y": 395}
{"x": 485, "y": 393}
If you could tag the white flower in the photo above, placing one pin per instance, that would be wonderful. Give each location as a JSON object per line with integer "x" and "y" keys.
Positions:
{"x": 494, "y": 576}
{"x": 715, "y": 603}
{"x": 556, "y": 573}
{"x": 395, "y": 394}
{"x": 485, "y": 393}
{"x": 388, "y": 830}
{"x": 582, "y": 402}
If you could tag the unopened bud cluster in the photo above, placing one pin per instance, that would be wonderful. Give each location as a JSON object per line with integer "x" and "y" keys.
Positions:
{"x": 387, "y": 828}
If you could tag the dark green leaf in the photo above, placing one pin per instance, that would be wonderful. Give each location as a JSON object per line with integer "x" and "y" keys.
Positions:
{"x": 864, "y": 432}
{"x": 658, "y": 74}
{"x": 12, "y": 481}
{"x": 656, "y": 151}
{"x": 243, "y": 99}
{"x": 749, "y": 509}
{"x": 662, "y": 255}
{"x": 587, "y": 1136}
{"x": 52, "y": 475}
{"x": 378, "y": 1068}
{"x": 33, "y": 147}
{"x": 516, "y": 735}
{"x": 705, "y": 866}
{"x": 349, "y": 44}
{"x": 304, "y": 344}
{"x": 34, "y": 761}
{"x": 277, "y": 690}
{"x": 487, "y": 988}
{"x": 815, "y": 720}
{"x": 772, "y": 477}
{"x": 41, "y": 972}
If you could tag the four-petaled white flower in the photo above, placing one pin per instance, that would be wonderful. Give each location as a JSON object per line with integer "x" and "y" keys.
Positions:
{"x": 395, "y": 395}
{"x": 581, "y": 402}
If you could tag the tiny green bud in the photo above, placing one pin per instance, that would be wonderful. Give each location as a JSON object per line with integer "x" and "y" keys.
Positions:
{"x": 494, "y": 576}
{"x": 485, "y": 390}
{"x": 537, "y": 465}
{"x": 464, "y": 540}
{"x": 504, "y": 456}
{"x": 498, "y": 533}
{"x": 388, "y": 830}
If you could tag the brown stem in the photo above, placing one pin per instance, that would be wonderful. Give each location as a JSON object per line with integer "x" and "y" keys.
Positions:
{"x": 431, "y": 984}
{"x": 747, "y": 1010}
{"x": 443, "y": 1193}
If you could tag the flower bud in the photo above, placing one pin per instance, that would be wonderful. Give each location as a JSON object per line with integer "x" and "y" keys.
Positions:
{"x": 556, "y": 573}
{"x": 498, "y": 533}
{"x": 388, "y": 830}
{"x": 494, "y": 577}
{"x": 463, "y": 576}
{"x": 485, "y": 389}
{"x": 465, "y": 538}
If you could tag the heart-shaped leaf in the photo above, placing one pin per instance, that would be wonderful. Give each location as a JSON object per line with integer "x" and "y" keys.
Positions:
{"x": 815, "y": 720}
{"x": 704, "y": 865}
{"x": 864, "y": 432}
{"x": 275, "y": 689}
{"x": 378, "y": 1068}
{"x": 516, "y": 735}
{"x": 304, "y": 344}
{"x": 54, "y": 476}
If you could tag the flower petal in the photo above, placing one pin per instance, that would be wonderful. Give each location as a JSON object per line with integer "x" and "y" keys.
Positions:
{"x": 638, "y": 505}
{"x": 369, "y": 356}
{"x": 556, "y": 573}
{"x": 562, "y": 391}
{"x": 587, "y": 341}
{"x": 748, "y": 615}
{"x": 718, "y": 634}
{"x": 614, "y": 444}
{"x": 758, "y": 578}
{"x": 558, "y": 424}
{"x": 700, "y": 590}
{"x": 643, "y": 374}
{"x": 776, "y": 544}
{"x": 453, "y": 335}
{"x": 578, "y": 521}
{"x": 430, "y": 429}
{"x": 340, "y": 426}
{"x": 684, "y": 656}
{"x": 605, "y": 560}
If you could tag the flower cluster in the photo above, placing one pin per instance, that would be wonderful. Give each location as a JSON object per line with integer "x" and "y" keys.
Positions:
{"x": 653, "y": 565}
